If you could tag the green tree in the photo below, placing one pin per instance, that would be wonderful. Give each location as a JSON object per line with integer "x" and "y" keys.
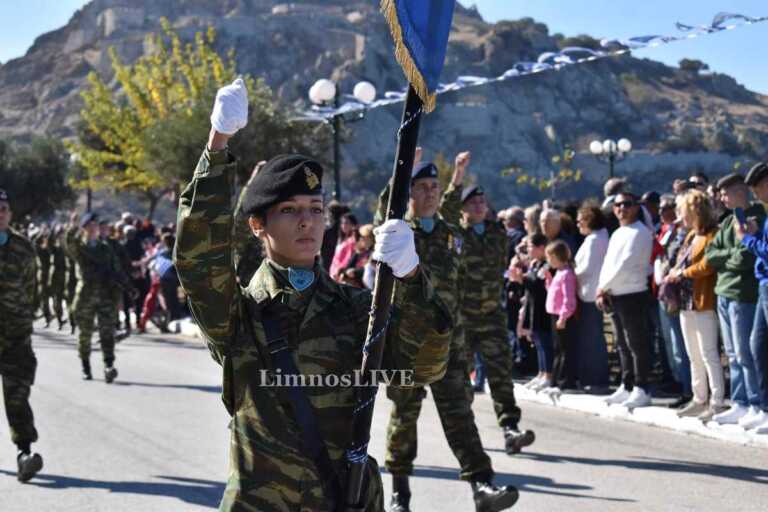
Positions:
{"x": 35, "y": 176}
{"x": 146, "y": 135}
{"x": 693, "y": 66}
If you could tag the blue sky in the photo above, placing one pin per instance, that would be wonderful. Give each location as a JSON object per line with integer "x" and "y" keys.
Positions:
{"x": 737, "y": 53}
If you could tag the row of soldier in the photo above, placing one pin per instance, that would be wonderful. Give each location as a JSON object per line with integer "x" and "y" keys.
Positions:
{"x": 78, "y": 263}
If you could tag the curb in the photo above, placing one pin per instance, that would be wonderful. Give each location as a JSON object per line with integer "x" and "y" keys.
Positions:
{"x": 661, "y": 417}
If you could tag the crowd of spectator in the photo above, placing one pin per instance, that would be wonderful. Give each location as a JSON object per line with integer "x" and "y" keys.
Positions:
{"x": 678, "y": 281}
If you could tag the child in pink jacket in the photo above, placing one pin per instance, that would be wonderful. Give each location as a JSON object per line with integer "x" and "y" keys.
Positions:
{"x": 561, "y": 306}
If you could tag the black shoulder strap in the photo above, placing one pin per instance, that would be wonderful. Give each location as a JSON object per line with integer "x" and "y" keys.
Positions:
{"x": 311, "y": 439}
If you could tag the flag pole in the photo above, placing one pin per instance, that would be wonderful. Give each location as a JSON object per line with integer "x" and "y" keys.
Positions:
{"x": 365, "y": 396}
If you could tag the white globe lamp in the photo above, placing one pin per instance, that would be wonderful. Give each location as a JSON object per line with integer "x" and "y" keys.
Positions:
{"x": 365, "y": 92}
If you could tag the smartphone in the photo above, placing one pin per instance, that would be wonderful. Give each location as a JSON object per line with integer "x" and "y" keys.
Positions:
{"x": 739, "y": 214}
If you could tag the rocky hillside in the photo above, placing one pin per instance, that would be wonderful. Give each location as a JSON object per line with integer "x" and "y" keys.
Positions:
{"x": 677, "y": 120}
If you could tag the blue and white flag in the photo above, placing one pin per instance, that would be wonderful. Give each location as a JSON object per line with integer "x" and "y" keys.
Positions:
{"x": 420, "y": 29}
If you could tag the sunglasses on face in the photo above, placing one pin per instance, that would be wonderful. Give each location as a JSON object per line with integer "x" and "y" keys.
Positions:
{"x": 624, "y": 204}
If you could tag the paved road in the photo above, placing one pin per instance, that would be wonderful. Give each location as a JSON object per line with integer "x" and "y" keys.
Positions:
{"x": 156, "y": 440}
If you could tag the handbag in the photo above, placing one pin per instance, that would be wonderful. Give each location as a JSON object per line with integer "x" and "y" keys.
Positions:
{"x": 670, "y": 293}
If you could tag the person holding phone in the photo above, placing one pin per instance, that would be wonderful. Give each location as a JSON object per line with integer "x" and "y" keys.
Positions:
{"x": 736, "y": 291}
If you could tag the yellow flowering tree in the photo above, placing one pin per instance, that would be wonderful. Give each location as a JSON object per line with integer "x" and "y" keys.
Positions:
{"x": 146, "y": 135}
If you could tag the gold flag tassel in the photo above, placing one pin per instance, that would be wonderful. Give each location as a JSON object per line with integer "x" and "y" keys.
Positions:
{"x": 403, "y": 56}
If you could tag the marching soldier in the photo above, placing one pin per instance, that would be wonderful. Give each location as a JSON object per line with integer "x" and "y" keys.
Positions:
{"x": 291, "y": 318}
{"x": 58, "y": 279}
{"x": 42, "y": 249}
{"x": 486, "y": 246}
{"x": 99, "y": 275}
{"x": 440, "y": 248}
{"x": 71, "y": 283}
{"x": 105, "y": 233}
{"x": 17, "y": 360}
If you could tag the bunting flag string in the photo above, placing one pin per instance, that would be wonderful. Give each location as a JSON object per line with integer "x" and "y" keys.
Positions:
{"x": 548, "y": 61}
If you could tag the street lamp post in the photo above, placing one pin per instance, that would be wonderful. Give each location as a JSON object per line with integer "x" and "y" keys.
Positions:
{"x": 610, "y": 151}
{"x": 324, "y": 92}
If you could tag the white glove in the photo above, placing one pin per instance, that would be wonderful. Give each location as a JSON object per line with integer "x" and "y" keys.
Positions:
{"x": 395, "y": 247}
{"x": 230, "y": 110}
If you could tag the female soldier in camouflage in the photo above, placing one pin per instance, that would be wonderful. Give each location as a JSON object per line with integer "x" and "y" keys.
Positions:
{"x": 320, "y": 324}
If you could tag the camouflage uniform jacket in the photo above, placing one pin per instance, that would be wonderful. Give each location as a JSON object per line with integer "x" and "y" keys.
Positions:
{"x": 325, "y": 327}
{"x": 18, "y": 268}
{"x": 485, "y": 257}
{"x": 441, "y": 254}
{"x": 59, "y": 266}
{"x": 98, "y": 267}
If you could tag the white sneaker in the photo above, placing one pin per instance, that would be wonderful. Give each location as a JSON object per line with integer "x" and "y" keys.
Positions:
{"x": 751, "y": 420}
{"x": 638, "y": 398}
{"x": 618, "y": 396}
{"x": 542, "y": 385}
{"x": 761, "y": 428}
{"x": 732, "y": 415}
{"x": 759, "y": 420}
{"x": 531, "y": 383}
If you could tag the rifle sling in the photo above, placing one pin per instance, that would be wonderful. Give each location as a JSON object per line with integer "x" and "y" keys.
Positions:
{"x": 303, "y": 411}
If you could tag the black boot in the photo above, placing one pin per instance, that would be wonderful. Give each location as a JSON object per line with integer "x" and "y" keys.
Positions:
{"x": 514, "y": 440}
{"x": 489, "y": 498}
{"x": 401, "y": 494}
{"x": 86, "y": 369}
{"x": 110, "y": 374}
{"x": 29, "y": 465}
{"x": 61, "y": 323}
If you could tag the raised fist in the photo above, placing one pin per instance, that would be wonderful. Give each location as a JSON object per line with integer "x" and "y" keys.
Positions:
{"x": 230, "y": 110}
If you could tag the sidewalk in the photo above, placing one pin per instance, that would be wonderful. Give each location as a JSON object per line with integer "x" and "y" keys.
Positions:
{"x": 656, "y": 416}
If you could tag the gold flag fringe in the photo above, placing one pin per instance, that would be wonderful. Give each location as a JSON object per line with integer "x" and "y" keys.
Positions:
{"x": 403, "y": 56}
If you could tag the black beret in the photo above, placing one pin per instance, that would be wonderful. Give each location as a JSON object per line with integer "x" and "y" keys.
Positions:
{"x": 424, "y": 170}
{"x": 281, "y": 178}
{"x": 470, "y": 192}
{"x": 4, "y": 195}
{"x": 756, "y": 174}
{"x": 88, "y": 217}
{"x": 730, "y": 180}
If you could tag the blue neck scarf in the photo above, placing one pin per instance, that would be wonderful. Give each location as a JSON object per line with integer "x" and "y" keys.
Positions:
{"x": 3, "y": 238}
{"x": 427, "y": 224}
{"x": 300, "y": 278}
{"x": 479, "y": 228}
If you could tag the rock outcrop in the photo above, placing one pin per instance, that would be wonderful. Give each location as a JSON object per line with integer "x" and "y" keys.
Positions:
{"x": 663, "y": 110}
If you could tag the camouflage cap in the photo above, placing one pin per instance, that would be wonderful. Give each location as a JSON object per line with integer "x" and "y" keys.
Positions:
{"x": 280, "y": 178}
{"x": 470, "y": 192}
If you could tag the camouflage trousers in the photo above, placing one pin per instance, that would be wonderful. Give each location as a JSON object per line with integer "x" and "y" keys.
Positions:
{"x": 87, "y": 311}
{"x": 70, "y": 296}
{"x": 58, "y": 293}
{"x": 274, "y": 477}
{"x": 45, "y": 300}
{"x": 17, "y": 367}
{"x": 453, "y": 398}
{"x": 487, "y": 335}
